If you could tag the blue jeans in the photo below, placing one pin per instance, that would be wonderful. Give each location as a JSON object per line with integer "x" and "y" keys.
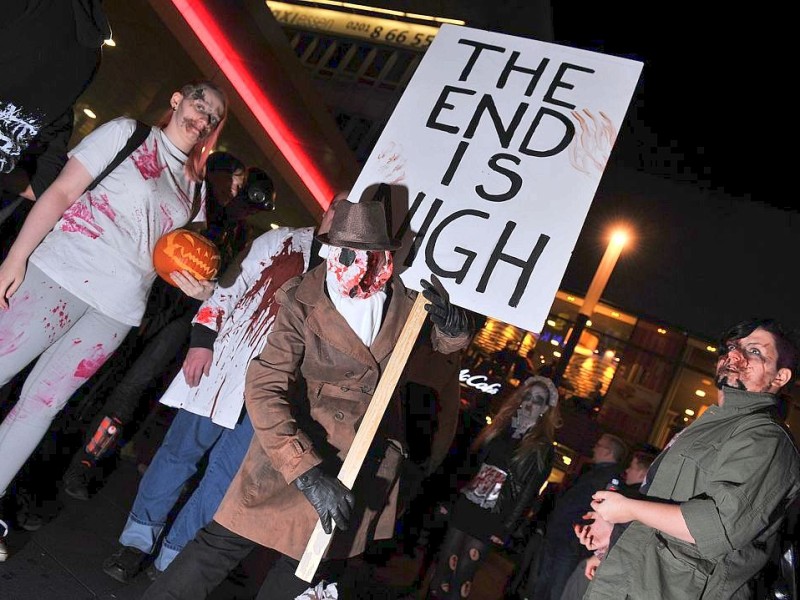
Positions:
{"x": 188, "y": 439}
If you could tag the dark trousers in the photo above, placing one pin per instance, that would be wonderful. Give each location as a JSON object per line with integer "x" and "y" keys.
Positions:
{"x": 577, "y": 584}
{"x": 208, "y": 559}
{"x": 555, "y": 569}
{"x": 164, "y": 348}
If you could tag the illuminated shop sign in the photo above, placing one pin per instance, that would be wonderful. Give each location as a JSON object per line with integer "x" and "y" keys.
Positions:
{"x": 372, "y": 29}
{"x": 479, "y": 382}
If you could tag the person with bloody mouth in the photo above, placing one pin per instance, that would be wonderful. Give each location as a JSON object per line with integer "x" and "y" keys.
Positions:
{"x": 716, "y": 497}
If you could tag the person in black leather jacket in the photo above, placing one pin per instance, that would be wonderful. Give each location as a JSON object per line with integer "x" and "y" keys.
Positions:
{"x": 515, "y": 453}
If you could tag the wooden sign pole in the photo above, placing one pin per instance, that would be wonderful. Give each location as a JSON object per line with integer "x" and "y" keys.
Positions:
{"x": 319, "y": 540}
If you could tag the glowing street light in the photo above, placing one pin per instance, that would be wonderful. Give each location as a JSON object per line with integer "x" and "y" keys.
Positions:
{"x": 619, "y": 238}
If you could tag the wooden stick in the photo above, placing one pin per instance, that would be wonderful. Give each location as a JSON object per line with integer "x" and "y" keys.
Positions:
{"x": 319, "y": 540}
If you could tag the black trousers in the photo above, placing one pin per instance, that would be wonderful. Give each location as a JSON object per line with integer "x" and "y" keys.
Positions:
{"x": 162, "y": 352}
{"x": 208, "y": 559}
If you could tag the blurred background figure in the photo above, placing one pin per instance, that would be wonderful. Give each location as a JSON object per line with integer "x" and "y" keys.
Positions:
{"x": 561, "y": 551}
{"x": 632, "y": 478}
{"x": 50, "y": 51}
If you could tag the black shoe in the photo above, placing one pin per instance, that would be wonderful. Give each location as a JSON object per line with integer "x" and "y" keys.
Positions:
{"x": 125, "y": 564}
{"x": 30, "y": 521}
{"x": 152, "y": 572}
{"x": 30, "y": 516}
{"x": 76, "y": 481}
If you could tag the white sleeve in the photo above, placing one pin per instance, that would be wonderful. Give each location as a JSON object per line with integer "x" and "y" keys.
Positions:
{"x": 96, "y": 151}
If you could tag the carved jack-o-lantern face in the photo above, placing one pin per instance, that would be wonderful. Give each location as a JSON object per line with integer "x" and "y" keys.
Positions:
{"x": 181, "y": 250}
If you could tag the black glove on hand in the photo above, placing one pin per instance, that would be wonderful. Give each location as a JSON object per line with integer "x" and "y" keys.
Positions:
{"x": 329, "y": 497}
{"x": 449, "y": 318}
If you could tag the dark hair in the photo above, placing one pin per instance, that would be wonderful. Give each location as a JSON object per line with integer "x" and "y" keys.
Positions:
{"x": 537, "y": 439}
{"x": 223, "y": 161}
{"x": 786, "y": 342}
{"x": 645, "y": 459}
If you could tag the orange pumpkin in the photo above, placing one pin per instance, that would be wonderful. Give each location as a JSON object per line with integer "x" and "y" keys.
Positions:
{"x": 181, "y": 250}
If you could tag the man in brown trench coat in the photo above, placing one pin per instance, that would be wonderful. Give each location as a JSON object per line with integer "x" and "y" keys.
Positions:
{"x": 335, "y": 332}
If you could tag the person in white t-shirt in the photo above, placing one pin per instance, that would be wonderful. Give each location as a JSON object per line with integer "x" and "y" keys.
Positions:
{"x": 77, "y": 277}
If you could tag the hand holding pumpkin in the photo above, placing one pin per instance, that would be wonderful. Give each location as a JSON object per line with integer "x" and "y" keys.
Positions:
{"x": 185, "y": 250}
{"x": 192, "y": 287}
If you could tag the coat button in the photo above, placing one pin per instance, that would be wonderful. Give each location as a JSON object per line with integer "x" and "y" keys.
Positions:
{"x": 349, "y": 374}
{"x": 339, "y": 415}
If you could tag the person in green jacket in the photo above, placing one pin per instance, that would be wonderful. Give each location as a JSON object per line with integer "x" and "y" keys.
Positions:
{"x": 718, "y": 493}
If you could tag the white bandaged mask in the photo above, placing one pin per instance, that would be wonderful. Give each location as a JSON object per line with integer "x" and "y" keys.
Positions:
{"x": 358, "y": 273}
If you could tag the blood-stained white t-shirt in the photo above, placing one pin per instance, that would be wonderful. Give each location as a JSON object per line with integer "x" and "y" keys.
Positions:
{"x": 101, "y": 250}
{"x": 242, "y": 315}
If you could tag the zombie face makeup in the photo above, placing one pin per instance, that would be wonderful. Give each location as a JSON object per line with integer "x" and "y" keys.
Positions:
{"x": 200, "y": 112}
{"x": 532, "y": 407}
{"x": 358, "y": 273}
{"x": 749, "y": 363}
{"x": 204, "y": 103}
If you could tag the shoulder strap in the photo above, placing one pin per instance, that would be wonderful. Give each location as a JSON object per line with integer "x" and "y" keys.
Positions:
{"x": 196, "y": 201}
{"x": 137, "y": 138}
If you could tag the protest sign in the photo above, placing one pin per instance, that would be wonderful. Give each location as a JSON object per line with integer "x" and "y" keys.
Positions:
{"x": 494, "y": 153}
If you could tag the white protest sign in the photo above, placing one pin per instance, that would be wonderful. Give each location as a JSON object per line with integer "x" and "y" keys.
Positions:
{"x": 495, "y": 151}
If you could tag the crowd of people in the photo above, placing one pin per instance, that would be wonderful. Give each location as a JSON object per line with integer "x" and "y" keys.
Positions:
{"x": 271, "y": 369}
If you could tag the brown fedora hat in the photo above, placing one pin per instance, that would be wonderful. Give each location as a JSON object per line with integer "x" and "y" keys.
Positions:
{"x": 359, "y": 225}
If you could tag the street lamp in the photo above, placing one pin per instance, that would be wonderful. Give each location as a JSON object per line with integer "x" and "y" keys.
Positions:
{"x": 618, "y": 240}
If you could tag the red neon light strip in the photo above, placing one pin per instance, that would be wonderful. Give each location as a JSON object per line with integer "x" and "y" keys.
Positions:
{"x": 222, "y": 51}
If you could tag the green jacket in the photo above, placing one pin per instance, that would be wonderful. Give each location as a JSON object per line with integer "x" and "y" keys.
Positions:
{"x": 733, "y": 471}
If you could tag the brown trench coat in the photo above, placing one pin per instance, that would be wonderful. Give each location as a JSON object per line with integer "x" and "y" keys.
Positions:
{"x": 294, "y": 432}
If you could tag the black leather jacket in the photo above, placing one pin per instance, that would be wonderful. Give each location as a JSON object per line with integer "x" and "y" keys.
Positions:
{"x": 521, "y": 487}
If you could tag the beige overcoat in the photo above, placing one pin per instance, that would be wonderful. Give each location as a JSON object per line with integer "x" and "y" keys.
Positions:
{"x": 311, "y": 343}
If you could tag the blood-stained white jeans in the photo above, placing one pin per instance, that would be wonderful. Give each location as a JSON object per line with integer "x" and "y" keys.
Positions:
{"x": 73, "y": 339}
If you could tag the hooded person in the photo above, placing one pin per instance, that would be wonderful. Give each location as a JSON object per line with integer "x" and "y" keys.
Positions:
{"x": 334, "y": 334}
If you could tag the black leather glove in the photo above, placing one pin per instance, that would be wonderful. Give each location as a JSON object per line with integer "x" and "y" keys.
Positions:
{"x": 449, "y": 318}
{"x": 329, "y": 497}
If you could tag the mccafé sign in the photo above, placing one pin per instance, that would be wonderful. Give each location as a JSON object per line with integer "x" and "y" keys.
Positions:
{"x": 479, "y": 382}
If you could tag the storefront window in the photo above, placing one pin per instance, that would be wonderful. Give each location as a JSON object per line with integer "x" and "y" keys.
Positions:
{"x": 643, "y": 376}
{"x": 593, "y": 365}
{"x": 701, "y": 355}
{"x": 691, "y": 393}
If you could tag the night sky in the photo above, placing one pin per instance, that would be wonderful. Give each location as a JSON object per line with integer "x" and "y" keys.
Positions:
{"x": 707, "y": 253}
